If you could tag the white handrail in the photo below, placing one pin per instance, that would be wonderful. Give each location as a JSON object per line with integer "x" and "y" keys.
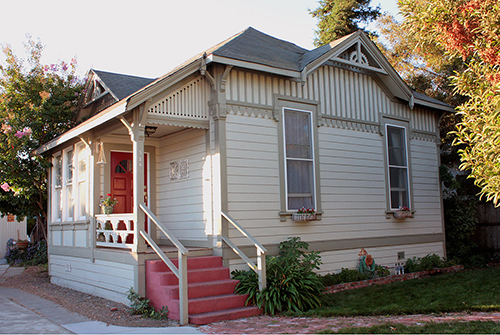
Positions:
{"x": 260, "y": 267}
{"x": 180, "y": 272}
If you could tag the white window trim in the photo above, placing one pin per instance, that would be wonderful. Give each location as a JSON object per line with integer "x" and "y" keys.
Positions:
{"x": 65, "y": 184}
{"x": 408, "y": 184}
{"x": 56, "y": 188}
{"x": 313, "y": 159}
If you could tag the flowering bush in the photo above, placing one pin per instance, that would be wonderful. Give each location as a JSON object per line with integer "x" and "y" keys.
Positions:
{"x": 35, "y": 254}
{"x": 108, "y": 201}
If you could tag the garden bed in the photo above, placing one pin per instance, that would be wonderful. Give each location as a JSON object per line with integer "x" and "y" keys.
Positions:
{"x": 391, "y": 279}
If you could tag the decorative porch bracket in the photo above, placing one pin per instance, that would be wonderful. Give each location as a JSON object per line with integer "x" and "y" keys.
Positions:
{"x": 180, "y": 272}
{"x": 260, "y": 267}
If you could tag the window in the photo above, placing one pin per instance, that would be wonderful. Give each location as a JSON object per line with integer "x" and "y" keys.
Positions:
{"x": 299, "y": 159}
{"x": 82, "y": 182}
{"x": 397, "y": 162}
{"x": 57, "y": 208}
{"x": 70, "y": 184}
{"x": 69, "y": 196}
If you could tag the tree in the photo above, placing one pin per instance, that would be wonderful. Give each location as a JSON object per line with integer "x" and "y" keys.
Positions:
{"x": 37, "y": 103}
{"x": 469, "y": 29}
{"x": 338, "y": 18}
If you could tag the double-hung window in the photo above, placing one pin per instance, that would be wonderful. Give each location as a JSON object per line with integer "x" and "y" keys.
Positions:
{"x": 397, "y": 162}
{"x": 57, "y": 207}
{"x": 299, "y": 159}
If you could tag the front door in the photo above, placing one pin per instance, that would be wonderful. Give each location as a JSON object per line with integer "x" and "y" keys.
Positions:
{"x": 122, "y": 181}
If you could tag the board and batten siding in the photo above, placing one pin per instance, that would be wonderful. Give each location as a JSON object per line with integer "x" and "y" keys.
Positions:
{"x": 110, "y": 280}
{"x": 180, "y": 203}
{"x": 342, "y": 94}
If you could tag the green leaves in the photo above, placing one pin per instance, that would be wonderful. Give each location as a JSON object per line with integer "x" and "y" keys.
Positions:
{"x": 37, "y": 103}
{"x": 291, "y": 283}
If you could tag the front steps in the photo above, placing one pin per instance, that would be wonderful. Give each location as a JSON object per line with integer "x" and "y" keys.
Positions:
{"x": 211, "y": 296}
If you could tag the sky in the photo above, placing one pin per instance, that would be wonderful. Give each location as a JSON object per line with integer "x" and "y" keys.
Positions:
{"x": 148, "y": 38}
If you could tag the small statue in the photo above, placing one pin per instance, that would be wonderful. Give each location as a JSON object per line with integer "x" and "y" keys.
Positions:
{"x": 366, "y": 264}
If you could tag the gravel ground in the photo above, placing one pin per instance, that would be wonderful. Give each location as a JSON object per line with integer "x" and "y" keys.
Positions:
{"x": 35, "y": 280}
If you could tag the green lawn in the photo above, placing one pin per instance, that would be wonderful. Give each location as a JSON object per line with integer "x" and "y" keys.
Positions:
{"x": 473, "y": 327}
{"x": 474, "y": 290}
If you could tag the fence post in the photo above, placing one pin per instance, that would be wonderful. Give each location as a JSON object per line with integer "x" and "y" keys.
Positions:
{"x": 261, "y": 269}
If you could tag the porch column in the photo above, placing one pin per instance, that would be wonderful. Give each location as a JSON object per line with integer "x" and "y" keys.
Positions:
{"x": 138, "y": 168}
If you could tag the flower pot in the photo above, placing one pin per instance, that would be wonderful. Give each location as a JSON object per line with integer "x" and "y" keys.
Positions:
{"x": 21, "y": 245}
{"x": 107, "y": 209}
{"x": 303, "y": 217}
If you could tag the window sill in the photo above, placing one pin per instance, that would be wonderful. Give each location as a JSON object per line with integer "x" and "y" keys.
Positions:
{"x": 284, "y": 216}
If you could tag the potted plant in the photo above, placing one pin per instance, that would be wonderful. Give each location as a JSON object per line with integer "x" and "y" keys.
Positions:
{"x": 107, "y": 204}
{"x": 304, "y": 215}
{"x": 403, "y": 213}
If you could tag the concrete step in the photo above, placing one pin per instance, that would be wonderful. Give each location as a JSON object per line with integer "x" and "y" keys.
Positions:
{"x": 203, "y": 289}
{"x": 192, "y": 263}
{"x": 209, "y": 304}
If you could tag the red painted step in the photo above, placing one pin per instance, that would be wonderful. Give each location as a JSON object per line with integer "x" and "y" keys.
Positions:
{"x": 211, "y": 295}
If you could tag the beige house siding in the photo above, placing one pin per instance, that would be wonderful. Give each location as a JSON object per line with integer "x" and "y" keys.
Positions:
{"x": 180, "y": 202}
{"x": 351, "y": 162}
{"x": 107, "y": 279}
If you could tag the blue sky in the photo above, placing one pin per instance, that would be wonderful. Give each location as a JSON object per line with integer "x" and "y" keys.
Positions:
{"x": 148, "y": 38}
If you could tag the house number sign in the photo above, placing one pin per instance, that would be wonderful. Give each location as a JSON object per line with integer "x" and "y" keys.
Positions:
{"x": 179, "y": 170}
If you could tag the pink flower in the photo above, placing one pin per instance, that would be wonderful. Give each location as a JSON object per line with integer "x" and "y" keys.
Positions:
{"x": 27, "y": 131}
{"x": 19, "y": 134}
{"x": 5, "y": 187}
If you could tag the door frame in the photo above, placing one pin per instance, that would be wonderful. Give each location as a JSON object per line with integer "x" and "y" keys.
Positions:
{"x": 146, "y": 178}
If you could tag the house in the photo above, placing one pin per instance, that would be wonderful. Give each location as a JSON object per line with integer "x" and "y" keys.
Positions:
{"x": 11, "y": 228}
{"x": 230, "y": 145}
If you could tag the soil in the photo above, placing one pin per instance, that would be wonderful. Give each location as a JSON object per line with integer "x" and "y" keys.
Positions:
{"x": 35, "y": 280}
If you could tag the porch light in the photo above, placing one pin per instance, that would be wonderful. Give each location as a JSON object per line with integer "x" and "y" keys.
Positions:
{"x": 101, "y": 158}
{"x": 149, "y": 130}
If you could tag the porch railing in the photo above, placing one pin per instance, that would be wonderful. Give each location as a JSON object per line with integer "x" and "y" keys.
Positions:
{"x": 182, "y": 253}
{"x": 115, "y": 230}
{"x": 260, "y": 267}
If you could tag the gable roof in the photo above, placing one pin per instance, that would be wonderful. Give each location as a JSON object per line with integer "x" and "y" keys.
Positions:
{"x": 258, "y": 51}
{"x": 121, "y": 85}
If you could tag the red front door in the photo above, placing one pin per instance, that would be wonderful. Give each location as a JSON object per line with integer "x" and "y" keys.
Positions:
{"x": 122, "y": 180}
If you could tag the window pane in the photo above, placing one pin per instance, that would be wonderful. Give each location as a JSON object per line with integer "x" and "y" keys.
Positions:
{"x": 58, "y": 167}
{"x": 399, "y": 187}
{"x": 58, "y": 205}
{"x": 71, "y": 201}
{"x": 69, "y": 166}
{"x": 300, "y": 184}
{"x": 396, "y": 146}
{"x": 82, "y": 163}
{"x": 82, "y": 199}
{"x": 298, "y": 134}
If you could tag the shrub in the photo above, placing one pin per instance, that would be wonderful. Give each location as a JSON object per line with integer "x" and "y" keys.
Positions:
{"x": 35, "y": 254}
{"x": 348, "y": 276}
{"x": 141, "y": 306}
{"x": 292, "y": 284}
{"x": 425, "y": 263}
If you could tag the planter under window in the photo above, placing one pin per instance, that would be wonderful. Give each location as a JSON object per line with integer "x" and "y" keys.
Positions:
{"x": 403, "y": 214}
{"x": 303, "y": 217}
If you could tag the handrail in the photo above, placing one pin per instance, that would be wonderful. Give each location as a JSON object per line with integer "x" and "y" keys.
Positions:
{"x": 163, "y": 229}
{"x": 260, "y": 267}
{"x": 244, "y": 232}
{"x": 180, "y": 272}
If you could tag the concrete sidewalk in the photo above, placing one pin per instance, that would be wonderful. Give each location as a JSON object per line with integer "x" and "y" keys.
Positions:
{"x": 24, "y": 313}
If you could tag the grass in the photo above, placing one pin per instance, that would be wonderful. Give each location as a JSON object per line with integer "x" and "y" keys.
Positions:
{"x": 473, "y": 327}
{"x": 474, "y": 290}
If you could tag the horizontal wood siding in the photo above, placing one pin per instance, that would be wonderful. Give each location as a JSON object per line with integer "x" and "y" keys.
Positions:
{"x": 110, "y": 280}
{"x": 180, "y": 202}
{"x": 252, "y": 173}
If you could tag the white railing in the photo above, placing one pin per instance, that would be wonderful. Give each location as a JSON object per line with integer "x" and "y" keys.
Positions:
{"x": 260, "y": 267}
{"x": 180, "y": 272}
{"x": 115, "y": 230}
